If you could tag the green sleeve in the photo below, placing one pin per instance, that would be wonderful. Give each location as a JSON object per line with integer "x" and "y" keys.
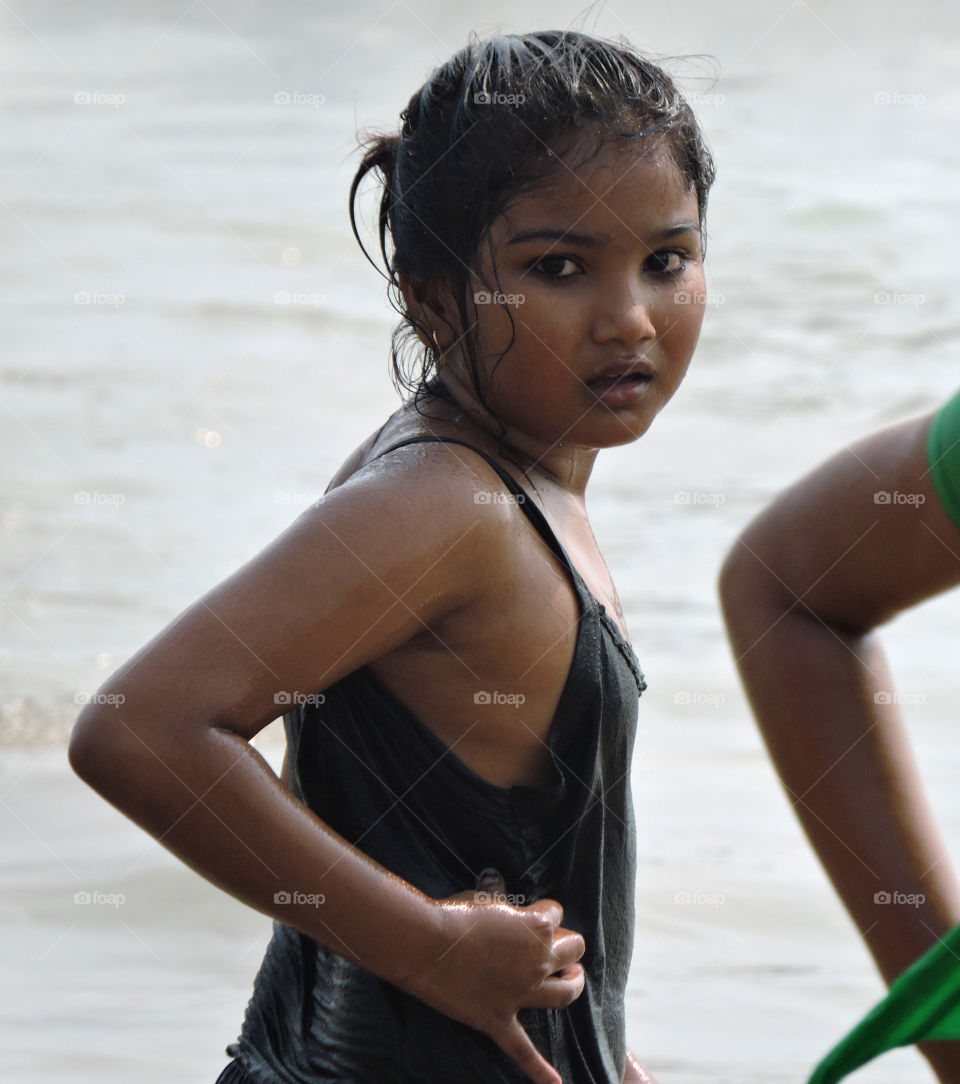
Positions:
{"x": 943, "y": 456}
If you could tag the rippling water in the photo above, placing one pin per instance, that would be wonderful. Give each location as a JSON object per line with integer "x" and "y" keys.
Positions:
{"x": 193, "y": 342}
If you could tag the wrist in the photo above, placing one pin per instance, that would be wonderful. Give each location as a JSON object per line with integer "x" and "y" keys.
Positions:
{"x": 421, "y": 941}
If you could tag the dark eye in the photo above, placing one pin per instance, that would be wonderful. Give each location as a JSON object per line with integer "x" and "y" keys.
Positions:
{"x": 556, "y": 267}
{"x": 667, "y": 262}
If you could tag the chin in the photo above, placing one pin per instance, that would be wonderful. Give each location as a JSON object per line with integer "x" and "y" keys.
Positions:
{"x": 623, "y": 428}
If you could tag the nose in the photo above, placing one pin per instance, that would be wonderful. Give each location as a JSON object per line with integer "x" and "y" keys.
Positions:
{"x": 625, "y": 312}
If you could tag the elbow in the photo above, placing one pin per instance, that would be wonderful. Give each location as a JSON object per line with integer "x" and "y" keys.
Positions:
{"x": 756, "y": 585}
{"x": 740, "y": 582}
{"x": 85, "y": 741}
{"x": 92, "y": 743}
{"x": 727, "y": 576}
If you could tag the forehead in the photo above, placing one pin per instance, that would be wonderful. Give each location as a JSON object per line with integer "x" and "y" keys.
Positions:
{"x": 587, "y": 184}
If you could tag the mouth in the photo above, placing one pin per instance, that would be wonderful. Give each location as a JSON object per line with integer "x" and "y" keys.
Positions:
{"x": 628, "y": 377}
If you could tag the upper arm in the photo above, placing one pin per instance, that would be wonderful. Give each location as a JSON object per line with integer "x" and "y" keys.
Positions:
{"x": 373, "y": 563}
{"x": 860, "y": 538}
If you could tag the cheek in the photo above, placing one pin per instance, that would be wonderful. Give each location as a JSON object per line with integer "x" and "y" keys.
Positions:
{"x": 685, "y": 312}
{"x": 493, "y": 334}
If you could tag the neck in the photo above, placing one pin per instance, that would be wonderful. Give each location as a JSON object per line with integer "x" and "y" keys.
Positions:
{"x": 566, "y": 466}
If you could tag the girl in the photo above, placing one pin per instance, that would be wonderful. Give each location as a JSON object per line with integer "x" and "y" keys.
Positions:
{"x": 449, "y": 857}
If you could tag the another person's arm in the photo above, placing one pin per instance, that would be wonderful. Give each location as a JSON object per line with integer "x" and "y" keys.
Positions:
{"x": 803, "y": 590}
{"x": 350, "y": 580}
{"x": 635, "y": 1073}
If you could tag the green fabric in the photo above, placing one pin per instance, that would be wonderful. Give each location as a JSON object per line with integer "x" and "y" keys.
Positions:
{"x": 924, "y": 1003}
{"x": 943, "y": 456}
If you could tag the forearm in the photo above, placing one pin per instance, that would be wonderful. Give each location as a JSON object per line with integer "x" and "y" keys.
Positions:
{"x": 848, "y": 769}
{"x": 214, "y": 802}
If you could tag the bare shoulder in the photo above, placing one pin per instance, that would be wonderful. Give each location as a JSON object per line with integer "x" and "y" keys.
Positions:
{"x": 389, "y": 554}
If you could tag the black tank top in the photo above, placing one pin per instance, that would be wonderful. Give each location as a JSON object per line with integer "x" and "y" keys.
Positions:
{"x": 368, "y": 767}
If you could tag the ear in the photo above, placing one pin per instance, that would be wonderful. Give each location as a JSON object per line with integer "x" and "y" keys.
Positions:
{"x": 433, "y": 309}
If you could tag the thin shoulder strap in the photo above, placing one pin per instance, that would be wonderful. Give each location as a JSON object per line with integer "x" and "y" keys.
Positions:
{"x": 533, "y": 513}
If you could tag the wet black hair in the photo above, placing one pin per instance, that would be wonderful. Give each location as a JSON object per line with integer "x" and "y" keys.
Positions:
{"x": 490, "y": 124}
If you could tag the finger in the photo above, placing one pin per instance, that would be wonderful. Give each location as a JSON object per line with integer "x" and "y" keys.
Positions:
{"x": 568, "y": 946}
{"x": 558, "y": 991}
{"x": 549, "y": 909}
{"x": 518, "y": 1046}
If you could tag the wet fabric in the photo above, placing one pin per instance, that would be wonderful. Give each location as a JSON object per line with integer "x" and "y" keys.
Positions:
{"x": 943, "y": 456}
{"x": 368, "y": 767}
{"x": 233, "y": 1074}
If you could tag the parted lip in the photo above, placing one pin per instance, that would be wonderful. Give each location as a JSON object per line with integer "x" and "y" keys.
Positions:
{"x": 614, "y": 371}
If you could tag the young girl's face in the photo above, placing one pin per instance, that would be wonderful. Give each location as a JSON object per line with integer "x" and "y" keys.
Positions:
{"x": 602, "y": 271}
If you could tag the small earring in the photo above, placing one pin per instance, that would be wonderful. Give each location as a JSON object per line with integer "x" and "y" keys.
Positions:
{"x": 441, "y": 359}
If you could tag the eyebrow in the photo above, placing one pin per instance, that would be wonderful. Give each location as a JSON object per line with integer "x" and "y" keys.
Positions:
{"x": 596, "y": 240}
